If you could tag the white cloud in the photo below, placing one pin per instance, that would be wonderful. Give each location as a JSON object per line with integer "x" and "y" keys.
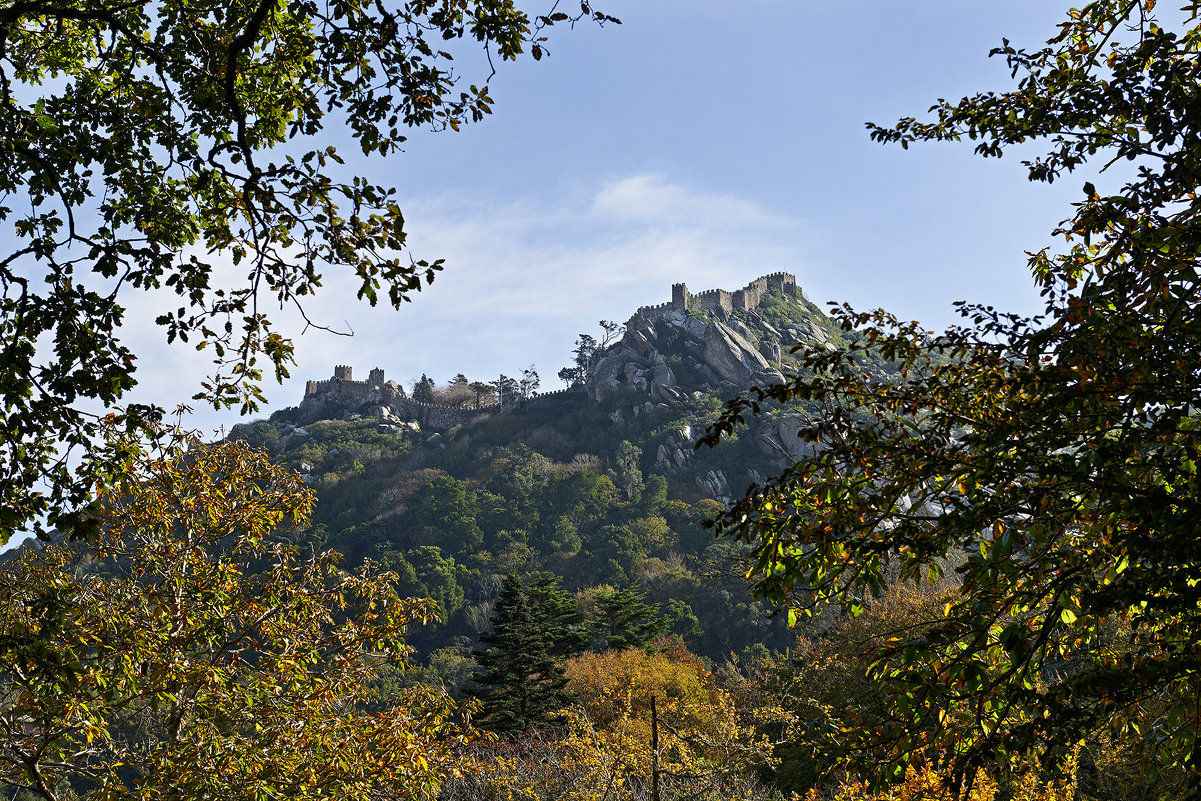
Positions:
{"x": 652, "y": 200}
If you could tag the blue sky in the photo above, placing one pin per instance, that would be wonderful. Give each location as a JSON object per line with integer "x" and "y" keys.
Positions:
{"x": 701, "y": 142}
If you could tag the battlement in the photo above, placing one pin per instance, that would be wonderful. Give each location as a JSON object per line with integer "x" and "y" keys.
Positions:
{"x": 343, "y": 382}
{"x": 746, "y": 299}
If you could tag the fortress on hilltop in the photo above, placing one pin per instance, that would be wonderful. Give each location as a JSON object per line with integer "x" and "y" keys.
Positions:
{"x": 746, "y": 299}
{"x": 344, "y": 383}
{"x": 342, "y": 395}
{"x": 725, "y": 303}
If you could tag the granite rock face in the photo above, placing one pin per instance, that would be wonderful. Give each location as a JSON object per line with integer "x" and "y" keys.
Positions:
{"x": 778, "y": 437}
{"x": 714, "y": 354}
{"x": 734, "y": 359}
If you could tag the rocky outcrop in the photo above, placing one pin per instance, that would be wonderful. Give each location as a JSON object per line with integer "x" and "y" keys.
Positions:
{"x": 670, "y": 354}
{"x": 334, "y": 401}
{"x": 715, "y": 485}
{"x": 675, "y": 452}
{"x": 734, "y": 359}
{"x": 779, "y": 437}
{"x": 713, "y": 353}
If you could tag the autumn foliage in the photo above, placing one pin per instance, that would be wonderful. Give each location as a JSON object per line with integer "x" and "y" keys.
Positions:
{"x": 190, "y": 654}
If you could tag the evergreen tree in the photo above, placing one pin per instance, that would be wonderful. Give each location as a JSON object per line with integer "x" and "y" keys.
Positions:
{"x": 559, "y": 614}
{"x": 624, "y": 620}
{"x": 423, "y": 389}
{"x": 570, "y": 376}
{"x": 506, "y": 389}
{"x": 585, "y": 355}
{"x": 529, "y": 382}
{"x": 518, "y": 681}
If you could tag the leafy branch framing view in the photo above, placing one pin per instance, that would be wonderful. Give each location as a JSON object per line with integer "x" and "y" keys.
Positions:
{"x": 990, "y": 545}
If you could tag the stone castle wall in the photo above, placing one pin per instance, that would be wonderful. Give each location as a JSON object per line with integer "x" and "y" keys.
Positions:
{"x": 343, "y": 381}
{"x": 746, "y": 299}
{"x": 351, "y": 395}
{"x": 435, "y": 416}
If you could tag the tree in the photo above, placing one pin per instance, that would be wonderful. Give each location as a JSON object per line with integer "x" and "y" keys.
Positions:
{"x": 703, "y": 746}
{"x": 201, "y": 658}
{"x": 519, "y": 681}
{"x": 142, "y": 145}
{"x": 482, "y": 390}
{"x": 423, "y": 389}
{"x": 560, "y": 613}
{"x": 446, "y": 511}
{"x": 626, "y": 471}
{"x": 585, "y": 352}
{"x": 610, "y": 332}
{"x": 624, "y": 620}
{"x": 570, "y": 376}
{"x": 506, "y": 389}
{"x": 588, "y": 352}
{"x": 529, "y": 381}
{"x": 1051, "y": 462}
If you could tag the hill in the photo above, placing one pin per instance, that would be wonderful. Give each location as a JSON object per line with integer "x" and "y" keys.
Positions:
{"x": 455, "y": 485}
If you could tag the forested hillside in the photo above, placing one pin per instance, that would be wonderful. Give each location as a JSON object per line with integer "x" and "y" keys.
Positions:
{"x": 599, "y": 483}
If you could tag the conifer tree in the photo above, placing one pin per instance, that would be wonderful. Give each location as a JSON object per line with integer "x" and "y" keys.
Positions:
{"x": 423, "y": 389}
{"x": 624, "y": 620}
{"x": 519, "y": 682}
{"x": 559, "y": 614}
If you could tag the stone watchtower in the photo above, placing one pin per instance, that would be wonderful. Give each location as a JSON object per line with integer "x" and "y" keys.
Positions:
{"x": 342, "y": 372}
{"x": 679, "y": 296}
{"x": 376, "y": 378}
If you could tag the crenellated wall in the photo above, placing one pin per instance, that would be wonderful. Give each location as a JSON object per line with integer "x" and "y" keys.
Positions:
{"x": 343, "y": 382}
{"x": 354, "y": 395}
{"x": 746, "y": 299}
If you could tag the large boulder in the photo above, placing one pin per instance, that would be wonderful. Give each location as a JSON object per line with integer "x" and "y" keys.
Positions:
{"x": 607, "y": 375}
{"x": 778, "y": 437}
{"x": 731, "y": 356}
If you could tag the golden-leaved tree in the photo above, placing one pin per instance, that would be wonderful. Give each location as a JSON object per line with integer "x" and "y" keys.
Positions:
{"x": 605, "y": 750}
{"x": 188, "y": 653}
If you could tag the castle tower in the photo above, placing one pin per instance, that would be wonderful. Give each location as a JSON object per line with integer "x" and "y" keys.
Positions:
{"x": 376, "y": 378}
{"x": 342, "y": 372}
{"x": 680, "y": 296}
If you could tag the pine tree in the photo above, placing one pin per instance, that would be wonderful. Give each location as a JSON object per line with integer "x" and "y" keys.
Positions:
{"x": 423, "y": 389}
{"x": 560, "y": 614}
{"x": 624, "y": 620}
{"x": 519, "y": 681}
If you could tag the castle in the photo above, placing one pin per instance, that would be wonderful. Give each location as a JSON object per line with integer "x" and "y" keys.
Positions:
{"x": 722, "y": 302}
{"x": 717, "y": 301}
{"x": 345, "y": 383}
{"x": 746, "y": 299}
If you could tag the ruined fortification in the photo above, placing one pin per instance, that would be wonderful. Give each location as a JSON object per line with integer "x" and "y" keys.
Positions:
{"x": 746, "y": 299}
{"x": 341, "y": 395}
{"x": 344, "y": 382}
{"x": 722, "y": 302}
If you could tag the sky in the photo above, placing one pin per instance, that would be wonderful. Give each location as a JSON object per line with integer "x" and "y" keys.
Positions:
{"x": 698, "y": 142}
